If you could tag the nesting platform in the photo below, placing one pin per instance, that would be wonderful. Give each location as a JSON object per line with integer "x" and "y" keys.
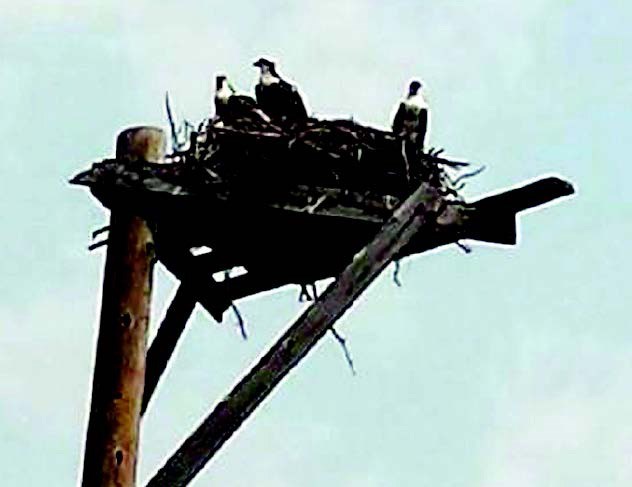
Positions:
{"x": 292, "y": 204}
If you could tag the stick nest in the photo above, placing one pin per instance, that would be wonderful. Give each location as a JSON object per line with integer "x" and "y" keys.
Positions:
{"x": 258, "y": 159}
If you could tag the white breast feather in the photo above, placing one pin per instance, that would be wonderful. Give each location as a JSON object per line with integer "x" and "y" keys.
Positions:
{"x": 415, "y": 103}
{"x": 268, "y": 79}
{"x": 223, "y": 94}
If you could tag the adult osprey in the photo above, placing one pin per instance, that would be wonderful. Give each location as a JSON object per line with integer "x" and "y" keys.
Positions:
{"x": 412, "y": 118}
{"x": 230, "y": 106}
{"x": 279, "y": 99}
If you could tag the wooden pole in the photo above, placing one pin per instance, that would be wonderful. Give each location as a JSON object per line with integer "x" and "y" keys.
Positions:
{"x": 119, "y": 372}
{"x": 298, "y": 340}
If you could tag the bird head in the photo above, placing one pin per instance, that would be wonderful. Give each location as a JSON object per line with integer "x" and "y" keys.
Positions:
{"x": 220, "y": 79}
{"x": 414, "y": 87}
{"x": 265, "y": 65}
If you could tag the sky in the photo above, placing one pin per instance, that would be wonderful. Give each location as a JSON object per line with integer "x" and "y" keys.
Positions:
{"x": 506, "y": 366}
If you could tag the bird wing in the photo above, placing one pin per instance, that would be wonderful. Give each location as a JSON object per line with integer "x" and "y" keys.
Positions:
{"x": 259, "y": 94}
{"x": 265, "y": 102}
{"x": 295, "y": 107}
{"x": 398, "y": 121}
{"x": 243, "y": 101}
{"x": 219, "y": 107}
{"x": 285, "y": 86}
{"x": 300, "y": 112}
{"x": 422, "y": 127}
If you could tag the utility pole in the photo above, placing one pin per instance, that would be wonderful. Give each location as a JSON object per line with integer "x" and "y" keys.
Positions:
{"x": 119, "y": 372}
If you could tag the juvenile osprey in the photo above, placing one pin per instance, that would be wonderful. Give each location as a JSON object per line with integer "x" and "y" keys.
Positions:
{"x": 279, "y": 99}
{"x": 230, "y": 106}
{"x": 412, "y": 117}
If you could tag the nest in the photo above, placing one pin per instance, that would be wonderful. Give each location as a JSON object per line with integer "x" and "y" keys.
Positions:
{"x": 363, "y": 171}
{"x": 338, "y": 154}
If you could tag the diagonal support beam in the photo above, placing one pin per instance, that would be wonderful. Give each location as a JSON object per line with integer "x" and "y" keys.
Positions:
{"x": 419, "y": 209}
{"x": 164, "y": 344}
{"x": 196, "y": 285}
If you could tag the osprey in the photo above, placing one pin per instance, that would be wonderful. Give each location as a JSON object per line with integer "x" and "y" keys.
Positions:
{"x": 412, "y": 117}
{"x": 279, "y": 99}
{"x": 230, "y": 106}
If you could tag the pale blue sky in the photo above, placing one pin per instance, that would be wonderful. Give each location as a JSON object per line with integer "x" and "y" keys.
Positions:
{"x": 502, "y": 367}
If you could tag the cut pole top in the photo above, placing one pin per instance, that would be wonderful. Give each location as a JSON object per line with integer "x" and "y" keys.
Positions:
{"x": 144, "y": 143}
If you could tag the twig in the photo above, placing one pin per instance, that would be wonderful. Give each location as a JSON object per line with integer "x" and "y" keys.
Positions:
{"x": 314, "y": 291}
{"x": 396, "y": 280}
{"x": 240, "y": 321}
{"x": 312, "y": 208}
{"x": 101, "y": 230}
{"x": 305, "y": 295}
{"x": 95, "y": 246}
{"x": 406, "y": 163}
{"x": 343, "y": 343}
{"x": 172, "y": 124}
{"x": 465, "y": 248}
{"x": 468, "y": 175}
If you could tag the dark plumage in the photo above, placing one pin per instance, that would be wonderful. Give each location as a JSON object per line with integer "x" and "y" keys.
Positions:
{"x": 412, "y": 117}
{"x": 279, "y": 99}
{"x": 230, "y": 106}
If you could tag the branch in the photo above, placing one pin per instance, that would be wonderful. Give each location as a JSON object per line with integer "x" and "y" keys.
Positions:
{"x": 396, "y": 280}
{"x": 240, "y": 321}
{"x": 343, "y": 343}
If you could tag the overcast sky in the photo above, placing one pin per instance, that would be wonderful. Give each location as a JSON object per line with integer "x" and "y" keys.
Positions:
{"x": 504, "y": 367}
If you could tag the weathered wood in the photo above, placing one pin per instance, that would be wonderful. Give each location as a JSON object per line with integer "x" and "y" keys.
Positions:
{"x": 112, "y": 436}
{"x": 197, "y": 279}
{"x": 420, "y": 208}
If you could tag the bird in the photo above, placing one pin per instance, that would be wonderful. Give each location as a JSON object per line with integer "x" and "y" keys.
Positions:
{"x": 230, "y": 106}
{"x": 412, "y": 118}
{"x": 279, "y": 99}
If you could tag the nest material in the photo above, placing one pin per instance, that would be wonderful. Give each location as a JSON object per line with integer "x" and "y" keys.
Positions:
{"x": 250, "y": 160}
{"x": 339, "y": 154}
